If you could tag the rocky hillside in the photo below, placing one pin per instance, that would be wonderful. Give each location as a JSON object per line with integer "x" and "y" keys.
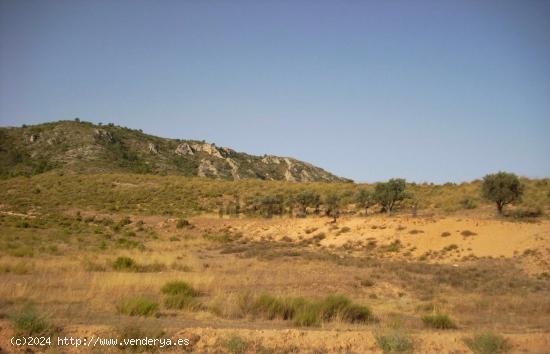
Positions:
{"x": 85, "y": 147}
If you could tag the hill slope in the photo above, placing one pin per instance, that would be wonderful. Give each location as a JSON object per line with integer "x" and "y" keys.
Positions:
{"x": 85, "y": 147}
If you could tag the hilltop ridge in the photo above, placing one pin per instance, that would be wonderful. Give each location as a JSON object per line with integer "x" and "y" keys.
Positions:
{"x": 86, "y": 147}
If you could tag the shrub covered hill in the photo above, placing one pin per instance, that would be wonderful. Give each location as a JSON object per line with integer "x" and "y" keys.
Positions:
{"x": 85, "y": 147}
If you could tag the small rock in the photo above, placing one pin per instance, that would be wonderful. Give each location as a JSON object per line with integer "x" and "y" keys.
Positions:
{"x": 152, "y": 148}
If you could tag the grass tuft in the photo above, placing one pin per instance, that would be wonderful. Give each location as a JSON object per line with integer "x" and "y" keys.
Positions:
{"x": 28, "y": 322}
{"x": 179, "y": 288}
{"x": 311, "y": 312}
{"x": 438, "y": 321}
{"x": 394, "y": 342}
{"x": 124, "y": 264}
{"x": 236, "y": 345}
{"x": 137, "y": 306}
{"x": 486, "y": 343}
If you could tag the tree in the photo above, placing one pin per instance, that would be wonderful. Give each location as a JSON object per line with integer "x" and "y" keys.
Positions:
{"x": 270, "y": 205}
{"x": 306, "y": 199}
{"x": 332, "y": 206}
{"x": 502, "y": 188}
{"x": 233, "y": 208}
{"x": 364, "y": 199}
{"x": 388, "y": 193}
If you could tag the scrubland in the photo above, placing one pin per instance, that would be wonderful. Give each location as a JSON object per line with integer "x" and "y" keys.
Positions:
{"x": 121, "y": 255}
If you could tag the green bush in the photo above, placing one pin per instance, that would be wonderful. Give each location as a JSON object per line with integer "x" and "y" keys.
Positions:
{"x": 308, "y": 316}
{"x": 333, "y": 305}
{"x": 179, "y": 288}
{"x": 525, "y": 212}
{"x": 124, "y": 264}
{"x": 236, "y": 345}
{"x": 311, "y": 312}
{"x": 357, "y": 314}
{"x": 439, "y": 321}
{"x": 137, "y": 306}
{"x": 486, "y": 343}
{"x": 394, "y": 246}
{"x": 28, "y": 322}
{"x": 394, "y": 342}
{"x": 468, "y": 203}
{"x": 271, "y": 307}
{"x": 339, "y": 306}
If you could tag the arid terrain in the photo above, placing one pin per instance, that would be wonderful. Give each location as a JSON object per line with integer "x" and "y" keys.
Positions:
{"x": 274, "y": 177}
{"x": 108, "y": 233}
{"x": 77, "y": 268}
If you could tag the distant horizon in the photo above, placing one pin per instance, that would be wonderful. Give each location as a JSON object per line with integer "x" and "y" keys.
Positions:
{"x": 267, "y": 153}
{"x": 431, "y": 90}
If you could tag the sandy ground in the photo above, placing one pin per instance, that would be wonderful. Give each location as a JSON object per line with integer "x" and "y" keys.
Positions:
{"x": 492, "y": 237}
{"x": 528, "y": 244}
{"x": 207, "y": 340}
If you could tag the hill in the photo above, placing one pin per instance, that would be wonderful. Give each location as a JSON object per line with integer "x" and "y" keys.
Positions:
{"x": 85, "y": 147}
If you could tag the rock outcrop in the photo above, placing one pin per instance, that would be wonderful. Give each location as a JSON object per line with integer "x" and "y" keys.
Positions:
{"x": 83, "y": 146}
{"x": 152, "y": 148}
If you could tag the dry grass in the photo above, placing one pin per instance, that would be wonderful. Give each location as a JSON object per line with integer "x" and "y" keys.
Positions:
{"x": 219, "y": 279}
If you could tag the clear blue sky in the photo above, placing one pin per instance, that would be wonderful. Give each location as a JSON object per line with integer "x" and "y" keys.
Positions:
{"x": 425, "y": 90}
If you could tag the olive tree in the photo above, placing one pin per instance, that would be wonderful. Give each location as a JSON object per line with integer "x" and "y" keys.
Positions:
{"x": 387, "y": 194}
{"x": 364, "y": 199}
{"x": 270, "y": 205}
{"x": 307, "y": 198}
{"x": 502, "y": 188}
{"x": 332, "y": 206}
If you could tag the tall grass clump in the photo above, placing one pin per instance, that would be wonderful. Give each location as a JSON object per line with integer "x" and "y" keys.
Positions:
{"x": 271, "y": 307}
{"x": 306, "y": 313}
{"x": 340, "y": 307}
{"x": 486, "y": 343}
{"x": 236, "y": 345}
{"x": 181, "y": 296}
{"x": 124, "y": 264}
{"x": 137, "y": 306}
{"x": 27, "y": 322}
{"x": 439, "y": 321}
{"x": 179, "y": 288}
{"x": 394, "y": 342}
{"x": 307, "y": 316}
{"x": 127, "y": 264}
